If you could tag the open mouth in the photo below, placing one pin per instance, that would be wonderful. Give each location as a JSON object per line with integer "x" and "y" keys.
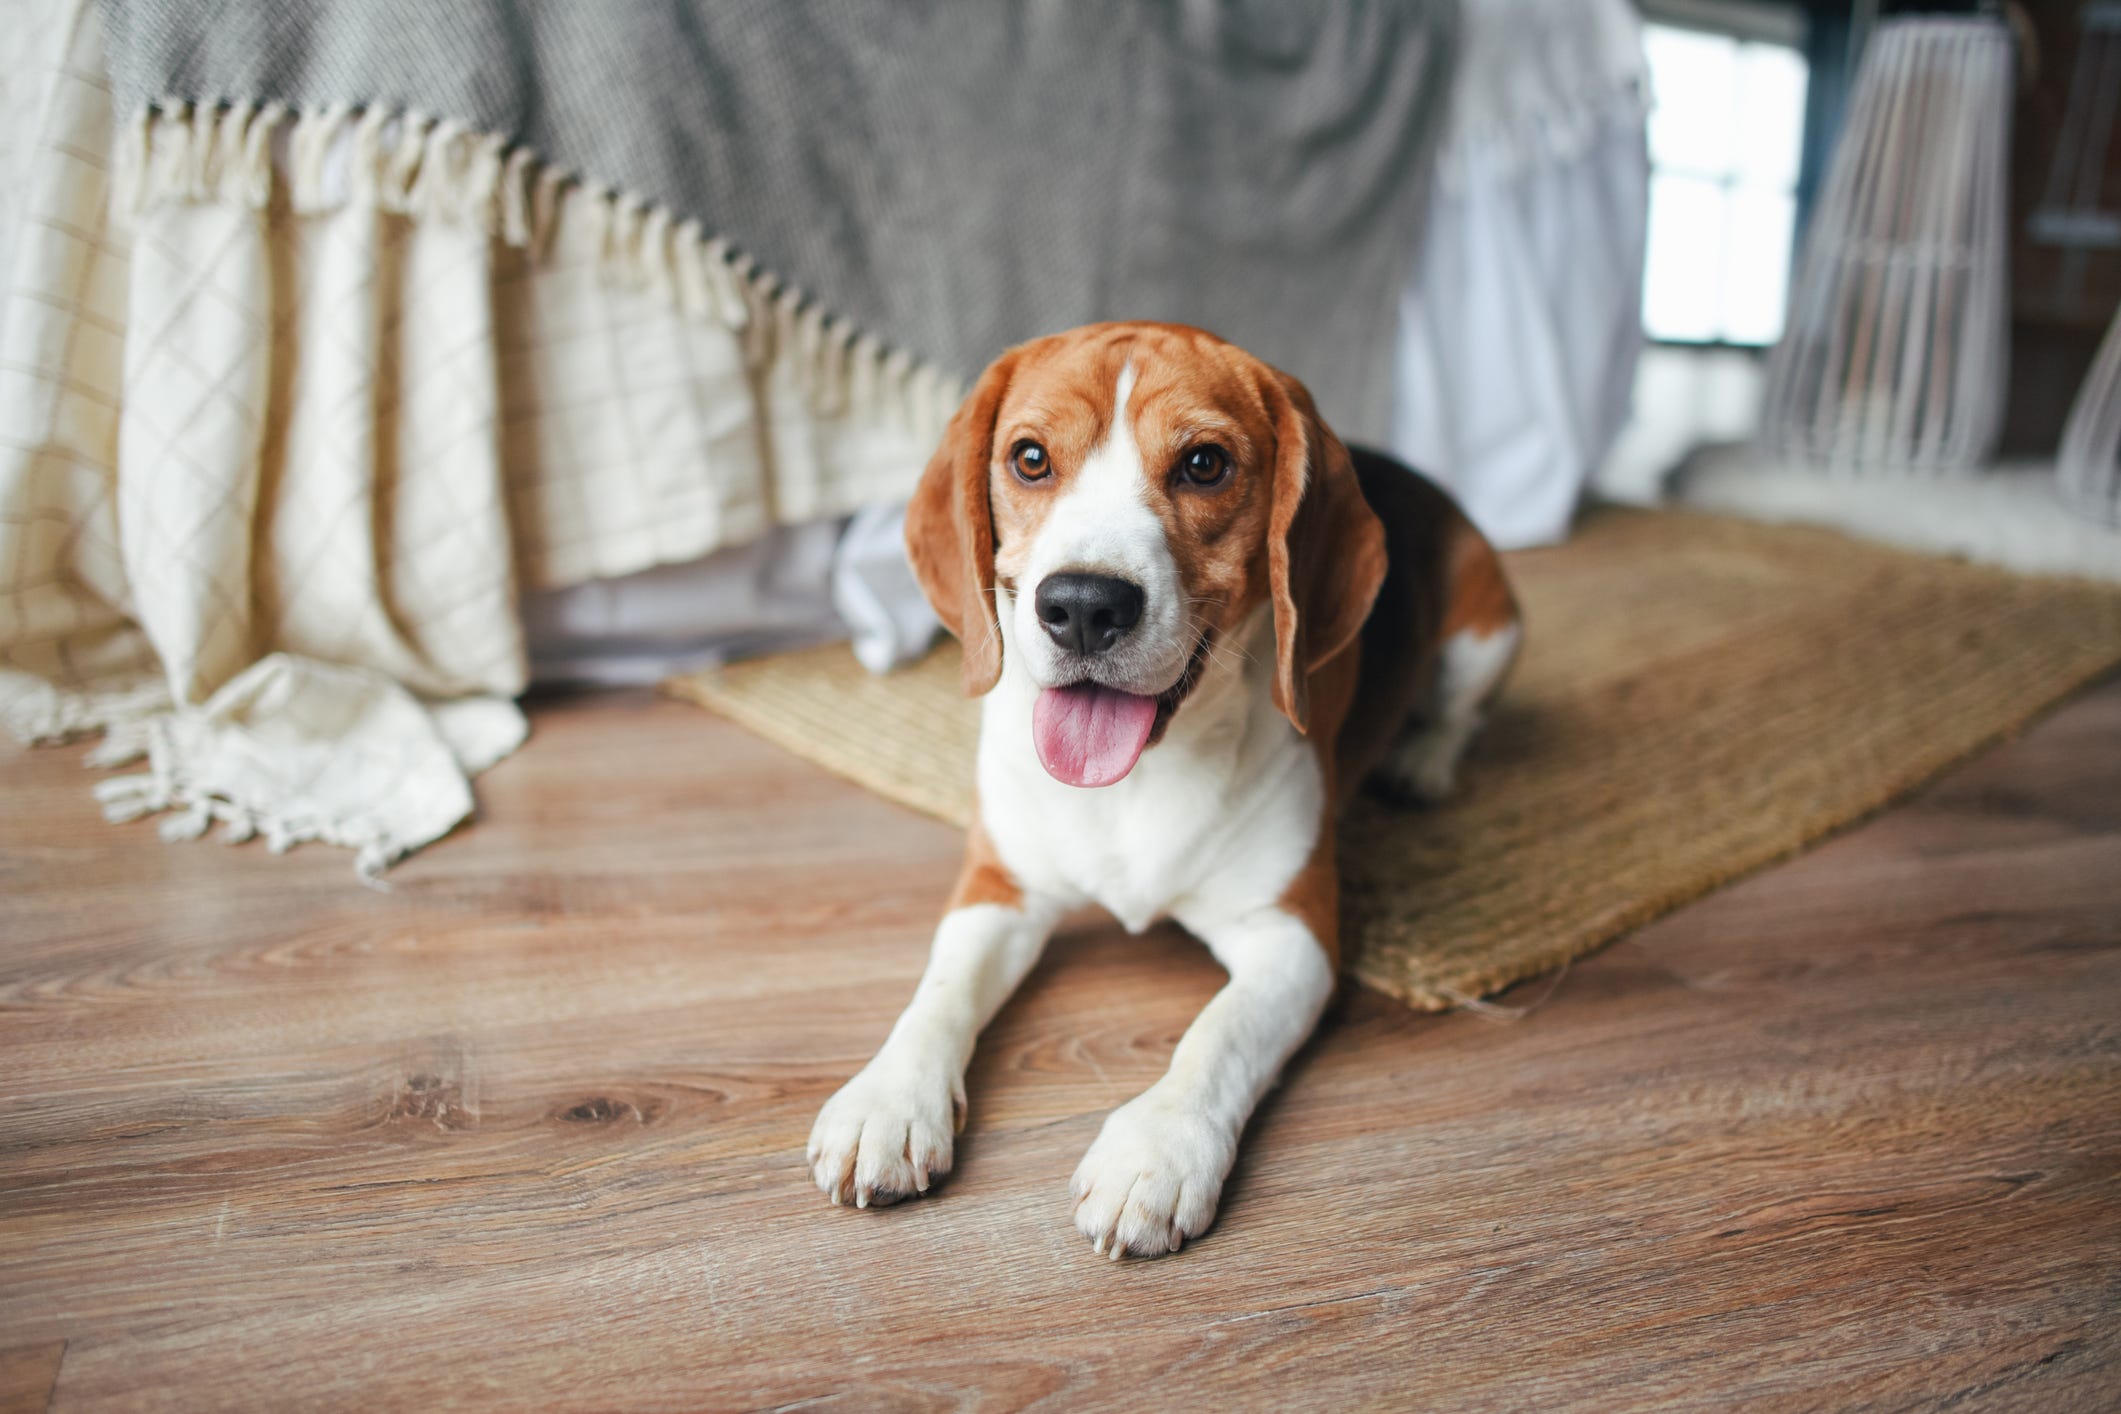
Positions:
{"x": 1088, "y": 734}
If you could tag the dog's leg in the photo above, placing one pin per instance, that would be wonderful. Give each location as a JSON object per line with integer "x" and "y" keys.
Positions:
{"x": 1423, "y": 764}
{"x": 1154, "y": 1175}
{"x": 890, "y": 1131}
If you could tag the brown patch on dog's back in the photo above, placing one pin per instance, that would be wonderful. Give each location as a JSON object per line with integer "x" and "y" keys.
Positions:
{"x": 1481, "y": 602}
{"x": 1442, "y": 577}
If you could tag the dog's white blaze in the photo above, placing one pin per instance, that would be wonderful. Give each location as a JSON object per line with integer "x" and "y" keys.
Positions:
{"x": 1102, "y": 524}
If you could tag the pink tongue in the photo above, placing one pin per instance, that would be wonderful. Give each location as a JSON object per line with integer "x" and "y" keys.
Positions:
{"x": 1089, "y": 735}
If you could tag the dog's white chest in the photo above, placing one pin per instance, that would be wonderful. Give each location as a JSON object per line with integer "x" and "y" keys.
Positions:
{"x": 1225, "y": 809}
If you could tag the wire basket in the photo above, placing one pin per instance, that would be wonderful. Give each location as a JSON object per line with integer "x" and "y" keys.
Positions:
{"x": 2089, "y": 463}
{"x": 1894, "y": 357}
{"x": 2088, "y": 466}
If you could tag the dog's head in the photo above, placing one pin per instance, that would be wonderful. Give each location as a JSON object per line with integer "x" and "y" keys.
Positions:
{"x": 1137, "y": 490}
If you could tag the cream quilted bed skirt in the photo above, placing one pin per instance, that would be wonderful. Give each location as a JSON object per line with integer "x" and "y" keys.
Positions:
{"x": 292, "y": 406}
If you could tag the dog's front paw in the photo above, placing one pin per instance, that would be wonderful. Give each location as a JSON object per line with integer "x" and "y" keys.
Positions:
{"x": 1152, "y": 1178}
{"x": 887, "y": 1134}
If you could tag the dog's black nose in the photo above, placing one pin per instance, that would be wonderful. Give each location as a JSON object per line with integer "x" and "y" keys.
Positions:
{"x": 1087, "y": 613}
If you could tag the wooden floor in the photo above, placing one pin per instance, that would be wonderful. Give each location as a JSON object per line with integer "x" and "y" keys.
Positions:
{"x": 527, "y": 1130}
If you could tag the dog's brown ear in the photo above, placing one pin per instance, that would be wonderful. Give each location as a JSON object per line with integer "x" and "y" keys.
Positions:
{"x": 1325, "y": 547}
{"x": 950, "y": 529}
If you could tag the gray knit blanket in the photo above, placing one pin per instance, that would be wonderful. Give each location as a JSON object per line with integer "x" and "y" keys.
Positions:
{"x": 951, "y": 176}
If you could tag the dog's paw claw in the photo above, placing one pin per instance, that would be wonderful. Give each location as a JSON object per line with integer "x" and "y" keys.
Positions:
{"x": 1151, "y": 1180}
{"x": 886, "y": 1136}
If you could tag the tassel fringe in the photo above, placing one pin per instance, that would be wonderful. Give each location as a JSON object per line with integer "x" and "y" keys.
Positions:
{"x": 192, "y": 810}
{"x": 438, "y": 170}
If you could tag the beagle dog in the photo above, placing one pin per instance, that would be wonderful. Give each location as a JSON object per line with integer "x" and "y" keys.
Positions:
{"x": 1198, "y": 622}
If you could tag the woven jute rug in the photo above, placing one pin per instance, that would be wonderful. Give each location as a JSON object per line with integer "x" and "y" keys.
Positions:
{"x": 1697, "y": 697}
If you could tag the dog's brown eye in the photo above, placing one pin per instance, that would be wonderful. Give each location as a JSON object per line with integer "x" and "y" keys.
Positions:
{"x": 1030, "y": 461}
{"x": 1205, "y": 466}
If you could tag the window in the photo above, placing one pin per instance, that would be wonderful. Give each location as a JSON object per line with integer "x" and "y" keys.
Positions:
{"x": 1726, "y": 138}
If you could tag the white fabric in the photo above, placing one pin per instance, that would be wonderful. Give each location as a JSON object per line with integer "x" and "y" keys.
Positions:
{"x": 1539, "y": 80}
{"x": 876, "y": 595}
{"x": 273, "y": 471}
{"x": 2012, "y": 516}
{"x": 1521, "y": 326}
{"x": 1684, "y": 397}
{"x": 795, "y": 586}
{"x": 772, "y": 594}
{"x": 298, "y": 750}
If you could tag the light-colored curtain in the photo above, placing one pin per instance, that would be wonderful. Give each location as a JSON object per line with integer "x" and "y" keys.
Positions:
{"x": 1520, "y": 330}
